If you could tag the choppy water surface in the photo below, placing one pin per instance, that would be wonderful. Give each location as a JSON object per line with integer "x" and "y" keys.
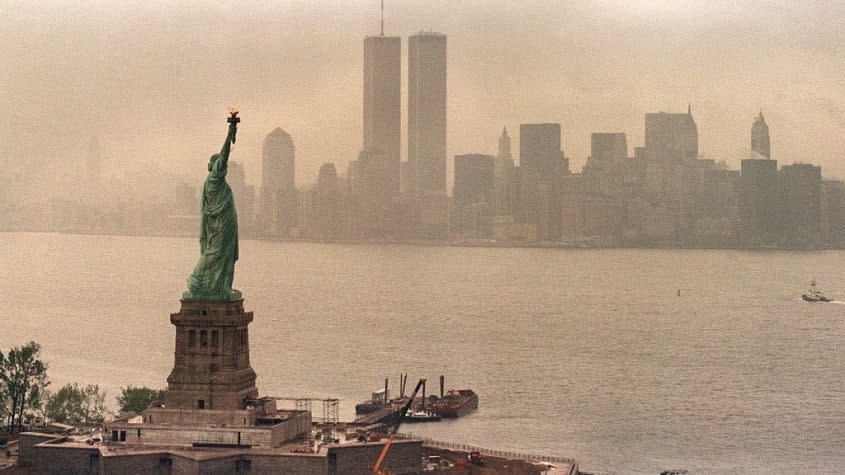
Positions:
{"x": 588, "y": 354}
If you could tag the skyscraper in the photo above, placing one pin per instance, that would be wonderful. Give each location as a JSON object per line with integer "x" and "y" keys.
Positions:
{"x": 539, "y": 150}
{"x": 505, "y": 146}
{"x": 427, "y": 113}
{"x": 541, "y": 167}
{"x": 671, "y": 138}
{"x": 474, "y": 178}
{"x": 758, "y": 201}
{"x": 760, "y": 137}
{"x": 504, "y": 177}
{"x": 474, "y": 190}
{"x": 382, "y": 100}
{"x": 603, "y": 172}
{"x": 278, "y": 188}
{"x": 801, "y": 185}
{"x": 606, "y": 148}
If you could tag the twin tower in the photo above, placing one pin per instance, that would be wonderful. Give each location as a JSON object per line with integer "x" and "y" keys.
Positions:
{"x": 426, "y": 172}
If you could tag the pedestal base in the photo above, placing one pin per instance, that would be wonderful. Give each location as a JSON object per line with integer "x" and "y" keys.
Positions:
{"x": 211, "y": 369}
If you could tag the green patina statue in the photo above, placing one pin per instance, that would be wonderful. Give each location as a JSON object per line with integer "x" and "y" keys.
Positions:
{"x": 213, "y": 274}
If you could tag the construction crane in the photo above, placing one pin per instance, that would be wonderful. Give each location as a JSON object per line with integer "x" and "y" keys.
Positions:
{"x": 377, "y": 467}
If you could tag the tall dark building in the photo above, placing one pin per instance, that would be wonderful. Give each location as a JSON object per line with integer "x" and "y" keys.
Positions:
{"x": 670, "y": 137}
{"x": 760, "y": 137}
{"x": 427, "y": 113}
{"x": 539, "y": 150}
{"x": 277, "y": 214}
{"x": 376, "y": 196}
{"x": 474, "y": 178}
{"x": 603, "y": 173}
{"x": 474, "y": 192}
{"x": 326, "y": 203}
{"x": 801, "y": 185}
{"x": 608, "y": 147}
{"x": 541, "y": 167}
{"x": 758, "y": 201}
{"x": 382, "y": 101}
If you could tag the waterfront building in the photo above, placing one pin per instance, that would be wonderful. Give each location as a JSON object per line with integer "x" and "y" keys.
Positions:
{"x": 427, "y": 113}
{"x": 758, "y": 202}
{"x": 277, "y": 212}
{"x": 377, "y": 197}
{"x": 572, "y": 196}
{"x": 671, "y": 150}
{"x": 541, "y": 165}
{"x": 715, "y": 208}
{"x": 327, "y": 216}
{"x": 475, "y": 184}
{"x": 801, "y": 187}
{"x": 474, "y": 178}
{"x": 603, "y": 172}
{"x": 760, "y": 137}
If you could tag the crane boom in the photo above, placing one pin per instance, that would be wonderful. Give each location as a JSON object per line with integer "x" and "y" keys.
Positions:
{"x": 377, "y": 467}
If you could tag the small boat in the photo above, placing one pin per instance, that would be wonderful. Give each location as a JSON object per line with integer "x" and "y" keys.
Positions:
{"x": 421, "y": 416}
{"x": 814, "y": 294}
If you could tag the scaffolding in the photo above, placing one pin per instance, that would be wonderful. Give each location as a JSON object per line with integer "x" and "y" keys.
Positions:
{"x": 330, "y": 414}
{"x": 331, "y": 411}
{"x": 302, "y": 404}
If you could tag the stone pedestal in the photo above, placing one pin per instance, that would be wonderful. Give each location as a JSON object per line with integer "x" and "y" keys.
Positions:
{"x": 211, "y": 369}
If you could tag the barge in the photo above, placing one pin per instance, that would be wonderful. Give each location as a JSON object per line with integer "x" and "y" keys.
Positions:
{"x": 455, "y": 403}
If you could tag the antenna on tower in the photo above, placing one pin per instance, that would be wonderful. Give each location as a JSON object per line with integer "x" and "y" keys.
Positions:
{"x": 382, "y": 17}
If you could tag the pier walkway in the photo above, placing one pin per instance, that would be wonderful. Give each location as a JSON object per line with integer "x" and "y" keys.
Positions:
{"x": 384, "y": 415}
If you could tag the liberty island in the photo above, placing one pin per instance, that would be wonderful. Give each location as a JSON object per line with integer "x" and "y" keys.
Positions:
{"x": 212, "y": 418}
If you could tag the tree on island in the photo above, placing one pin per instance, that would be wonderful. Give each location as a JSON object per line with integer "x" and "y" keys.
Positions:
{"x": 73, "y": 404}
{"x": 134, "y": 399}
{"x": 23, "y": 378}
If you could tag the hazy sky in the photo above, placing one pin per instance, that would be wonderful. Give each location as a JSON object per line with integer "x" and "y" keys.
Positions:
{"x": 152, "y": 79}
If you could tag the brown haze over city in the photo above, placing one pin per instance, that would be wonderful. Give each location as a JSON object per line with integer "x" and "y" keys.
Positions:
{"x": 152, "y": 80}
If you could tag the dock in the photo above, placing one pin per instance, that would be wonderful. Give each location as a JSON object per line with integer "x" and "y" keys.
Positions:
{"x": 385, "y": 415}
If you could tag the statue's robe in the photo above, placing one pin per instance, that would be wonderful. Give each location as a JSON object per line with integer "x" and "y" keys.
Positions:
{"x": 213, "y": 274}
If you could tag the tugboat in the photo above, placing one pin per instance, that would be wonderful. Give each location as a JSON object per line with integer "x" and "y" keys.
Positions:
{"x": 814, "y": 294}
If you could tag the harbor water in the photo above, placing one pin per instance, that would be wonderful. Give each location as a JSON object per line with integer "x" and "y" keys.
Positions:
{"x": 629, "y": 361}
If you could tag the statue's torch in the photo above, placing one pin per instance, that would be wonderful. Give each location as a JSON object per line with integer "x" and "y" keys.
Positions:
{"x": 233, "y": 122}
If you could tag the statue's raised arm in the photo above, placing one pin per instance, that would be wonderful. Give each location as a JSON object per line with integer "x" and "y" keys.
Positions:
{"x": 230, "y": 137}
{"x": 213, "y": 274}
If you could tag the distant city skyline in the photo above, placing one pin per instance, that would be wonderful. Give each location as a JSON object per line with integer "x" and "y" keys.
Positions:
{"x": 151, "y": 85}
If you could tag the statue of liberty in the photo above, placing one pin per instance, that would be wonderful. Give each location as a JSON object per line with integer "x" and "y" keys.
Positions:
{"x": 213, "y": 274}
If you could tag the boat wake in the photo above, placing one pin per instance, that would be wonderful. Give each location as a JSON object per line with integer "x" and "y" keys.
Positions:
{"x": 837, "y": 302}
